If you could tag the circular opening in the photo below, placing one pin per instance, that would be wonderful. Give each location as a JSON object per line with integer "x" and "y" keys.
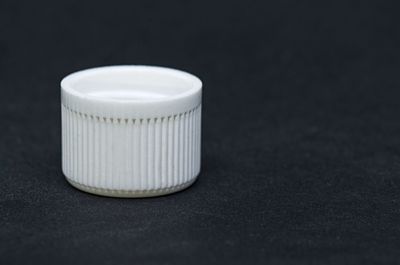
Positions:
{"x": 131, "y": 83}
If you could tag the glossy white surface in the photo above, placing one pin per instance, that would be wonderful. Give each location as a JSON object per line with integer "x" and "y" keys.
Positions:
{"x": 131, "y": 131}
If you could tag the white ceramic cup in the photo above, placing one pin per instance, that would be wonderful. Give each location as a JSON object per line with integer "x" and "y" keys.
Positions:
{"x": 131, "y": 131}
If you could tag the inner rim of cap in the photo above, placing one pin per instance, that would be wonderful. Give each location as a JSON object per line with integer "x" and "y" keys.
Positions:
{"x": 131, "y": 83}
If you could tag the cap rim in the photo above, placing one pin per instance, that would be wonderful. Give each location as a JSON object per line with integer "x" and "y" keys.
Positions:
{"x": 131, "y": 108}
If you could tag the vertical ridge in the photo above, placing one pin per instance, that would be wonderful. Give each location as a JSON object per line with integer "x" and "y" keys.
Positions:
{"x": 143, "y": 153}
{"x": 135, "y": 153}
{"x": 181, "y": 141}
{"x": 190, "y": 154}
{"x": 128, "y": 159}
{"x": 157, "y": 151}
{"x": 164, "y": 146}
{"x": 76, "y": 142}
{"x": 185, "y": 165}
{"x": 176, "y": 150}
{"x": 151, "y": 156}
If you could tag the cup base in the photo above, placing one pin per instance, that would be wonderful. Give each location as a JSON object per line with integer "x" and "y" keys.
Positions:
{"x": 130, "y": 193}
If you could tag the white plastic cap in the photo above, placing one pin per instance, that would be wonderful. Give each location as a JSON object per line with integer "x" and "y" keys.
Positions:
{"x": 131, "y": 131}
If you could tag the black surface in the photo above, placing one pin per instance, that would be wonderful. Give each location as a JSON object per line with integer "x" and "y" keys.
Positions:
{"x": 301, "y": 133}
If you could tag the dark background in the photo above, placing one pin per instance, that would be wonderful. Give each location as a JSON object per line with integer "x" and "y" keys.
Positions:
{"x": 301, "y": 132}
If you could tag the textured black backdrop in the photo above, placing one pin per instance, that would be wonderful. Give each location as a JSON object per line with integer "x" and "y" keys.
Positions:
{"x": 301, "y": 132}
